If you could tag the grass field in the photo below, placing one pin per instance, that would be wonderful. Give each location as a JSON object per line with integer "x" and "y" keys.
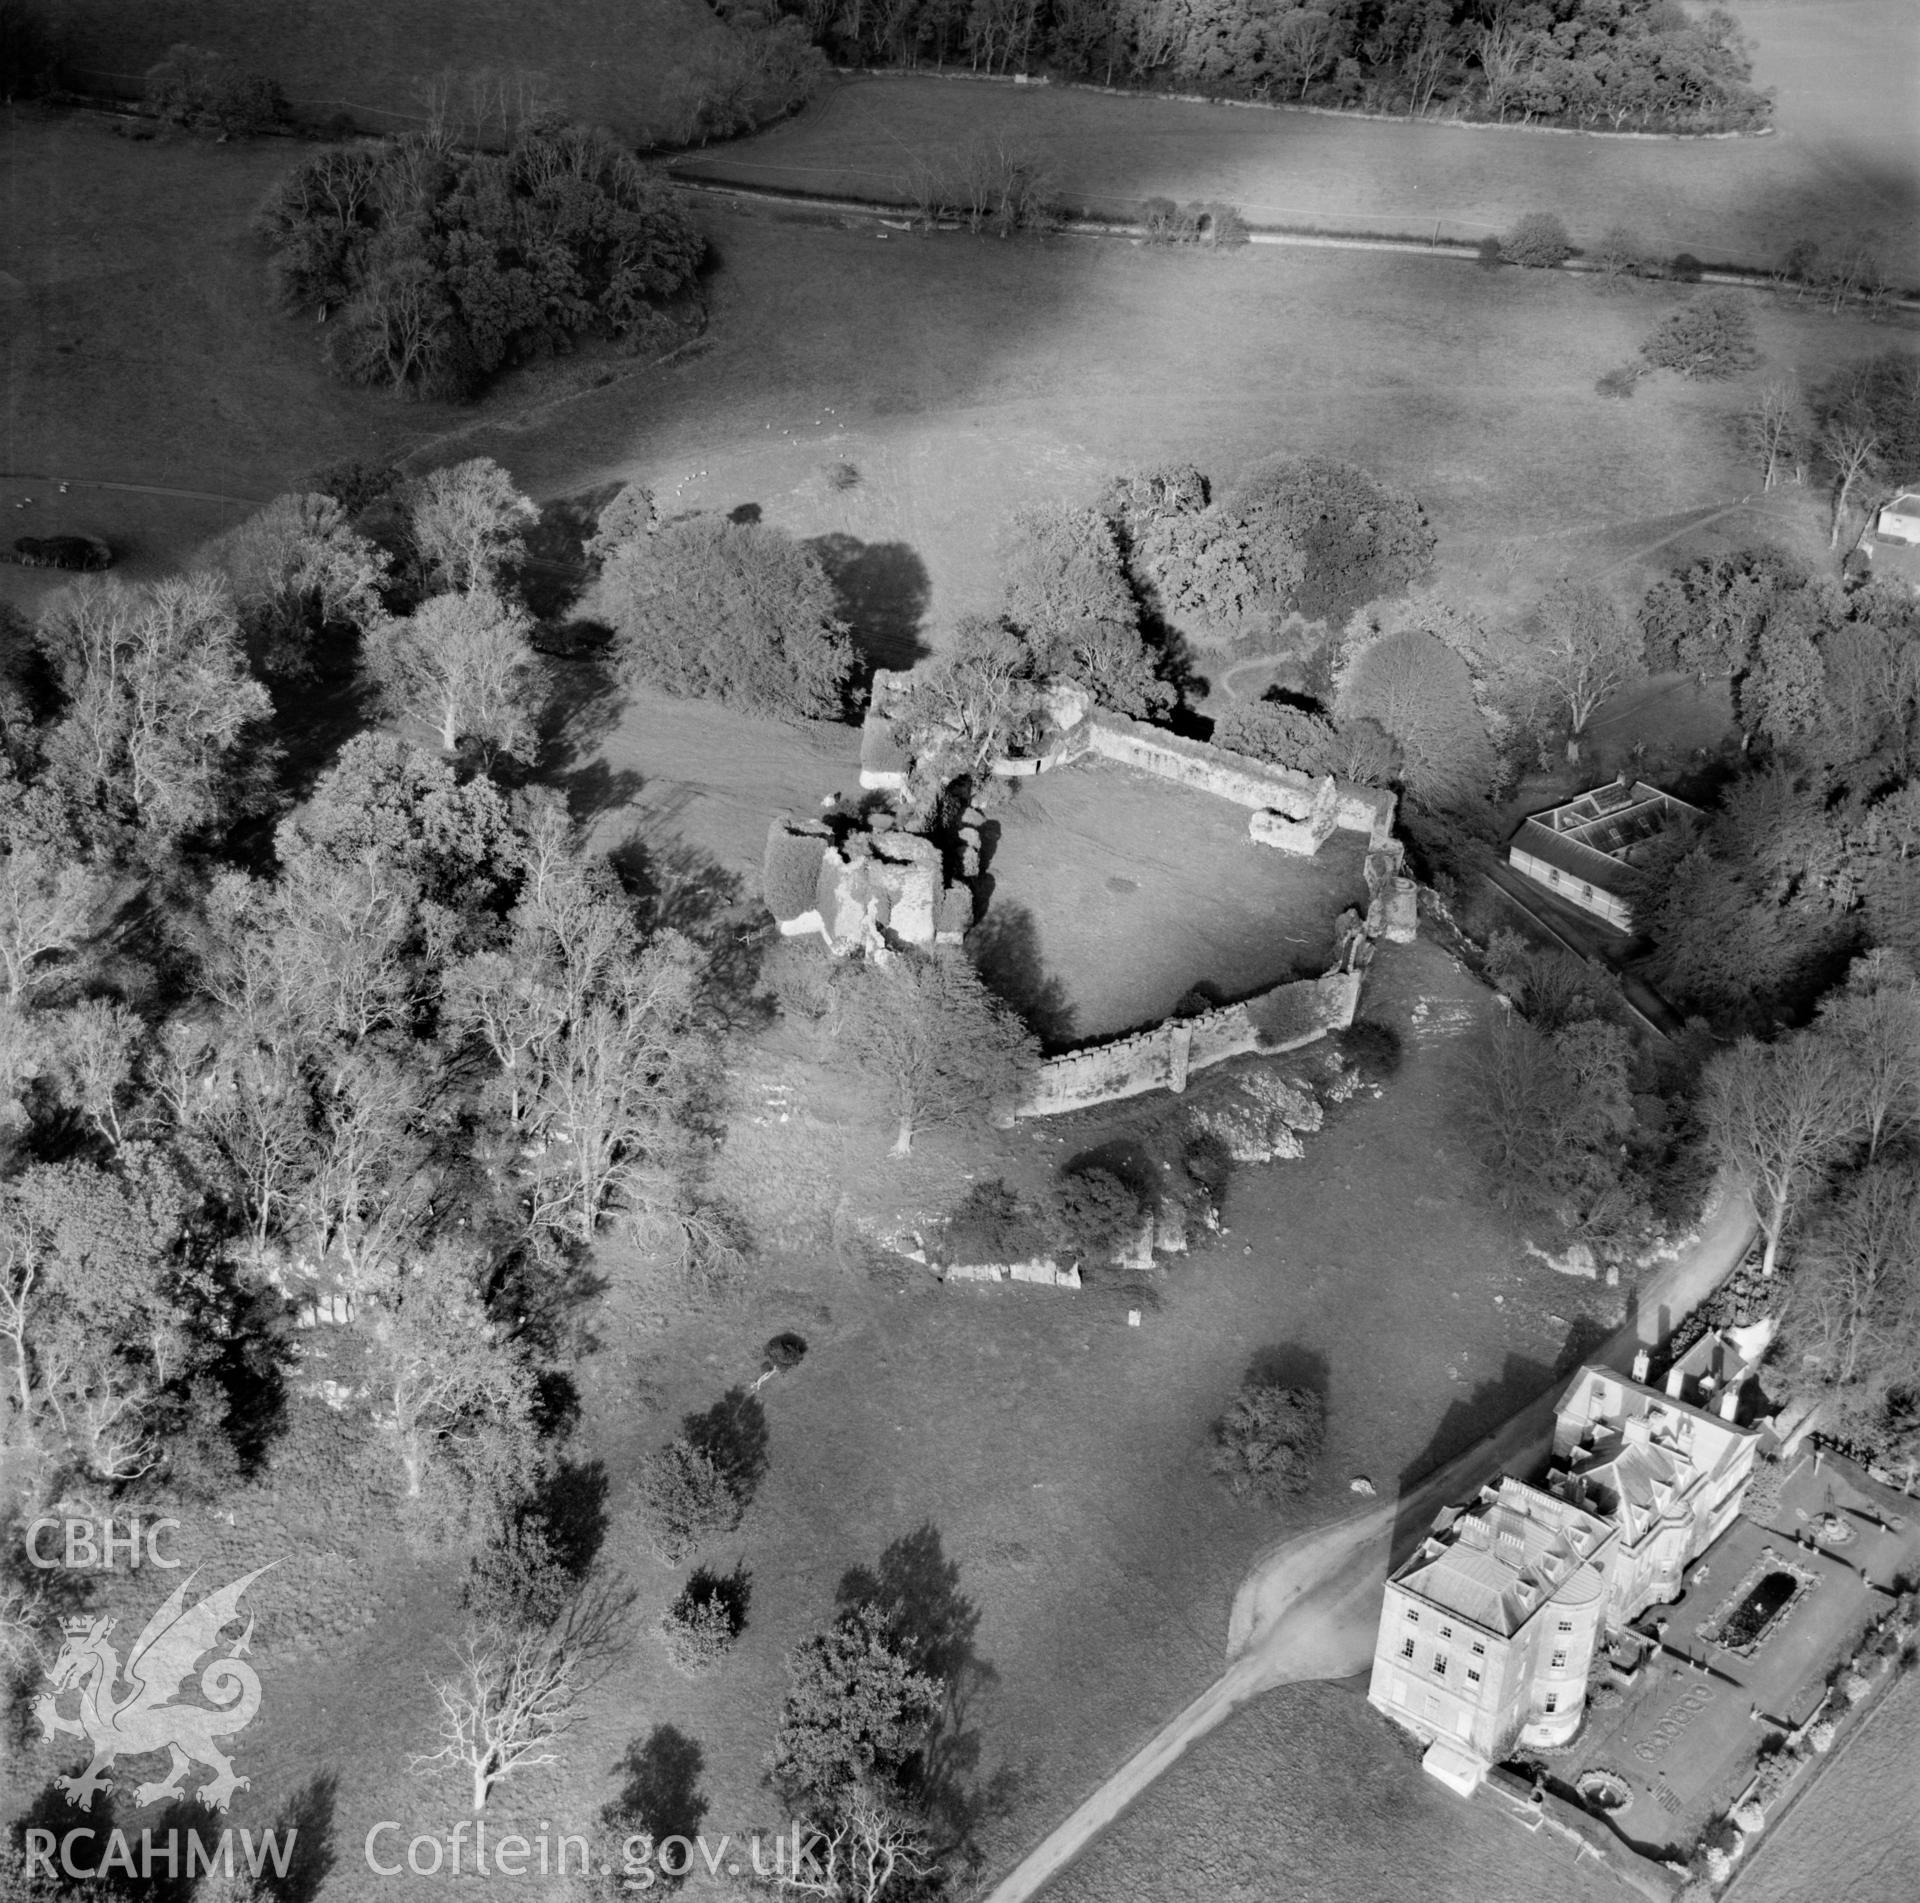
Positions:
{"x": 1139, "y": 891}
{"x": 964, "y": 378}
{"x": 1844, "y": 159}
{"x": 618, "y": 63}
{"x": 1858, "y": 1826}
{"x": 1059, "y": 1452}
{"x": 1310, "y": 1795}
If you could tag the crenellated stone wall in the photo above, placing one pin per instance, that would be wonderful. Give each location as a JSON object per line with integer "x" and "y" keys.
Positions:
{"x": 1283, "y": 1019}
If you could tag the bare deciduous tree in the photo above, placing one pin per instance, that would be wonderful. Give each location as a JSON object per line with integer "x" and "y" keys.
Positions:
{"x": 1875, "y": 1023}
{"x": 1770, "y": 429}
{"x": 45, "y": 906}
{"x": 468, "y": 524}
{"x": 1849, "y": 442}
{"x": 1588, "y": 650}
{"x": 92, "y": 1050}
{"x": 504, "y": 1709}
{"x": 1777, "y": 1117}
{"x": 1853, "y": 1302}
{"x": 158, "y": 695}
{"x": 937, "y": 1041}
{"x": 856, "y": 1858}
{"x": 463, "y": 664}
{"x": 450, "y": 1391}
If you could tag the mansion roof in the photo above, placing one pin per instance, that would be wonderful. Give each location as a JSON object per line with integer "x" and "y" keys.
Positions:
{"x": 1515, "y": 1549}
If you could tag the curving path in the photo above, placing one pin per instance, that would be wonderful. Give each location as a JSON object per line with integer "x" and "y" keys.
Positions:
{"x": 1311, "y": 1604}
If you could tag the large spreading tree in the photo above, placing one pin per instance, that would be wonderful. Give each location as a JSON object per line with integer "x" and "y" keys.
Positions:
{"x": 731, "y": 611}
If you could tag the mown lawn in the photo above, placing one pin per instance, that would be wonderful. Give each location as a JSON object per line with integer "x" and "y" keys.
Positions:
{"x": 1844, "y": 159}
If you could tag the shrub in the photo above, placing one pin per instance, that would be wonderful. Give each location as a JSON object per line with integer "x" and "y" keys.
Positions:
{"x": 357, "y": 486}
{"x": 1492, "y": 253}
{"x": 1268, "y": 1440}
{"x": 1161, "y": 218}
{"x": 1685, "y": 268}
{"x": 1096, "y": 1213}
{"x": 1708, "y": 339}
{"x": 992, "y": 1222}
{"x": 686, "y": 1499}
{"x": 192, "y": 87}
{"x": 732, "y": 1434}
{"x": 1618, "y": 255}
{"x": 785, "y": 1350}
{"x": 1372, "y": 1048}
{"x": 1217, "y": 224}
{"x": 702, "y": 1623}
{"x": 1201, "y": 221}
{"x": 842, "y": 476}
{"x": 1539, "y": 241}
{"x": 1618, "y": 383}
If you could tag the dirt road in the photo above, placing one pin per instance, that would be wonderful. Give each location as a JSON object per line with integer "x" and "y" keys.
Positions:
{"x": 1310, "y": 1606}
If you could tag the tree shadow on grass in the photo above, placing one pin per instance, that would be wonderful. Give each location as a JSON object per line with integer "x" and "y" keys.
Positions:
{"x": 661, "y": 1792}
{"x": 681, "y": 888}
{"x": 585, "y": 699}
{"x": 884, "y": 589}
{"x": 914, "y": 1594}
{"x": 570, "y": 1514}
{"x": 1005, "y": 949}
{"x": 302, "y": 1831}
{"x": 1523, "y": 1382}
{"x": 556, "y": 566}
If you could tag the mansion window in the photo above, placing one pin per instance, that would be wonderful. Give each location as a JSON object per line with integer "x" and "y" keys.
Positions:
{"x": 1553, "y": 1702}
{"x": 1559, "y": 1661}
{"x": 1473, "y": 1677}
{"x": 1566, "y": 1625}
{"x": 1413, "y": 1615}
{"x": 1446, "y": 1631}
{"x": 1406, "y": 1648}
{"x": 1439, "y": 1665}
{"x": 1479, "y": 1650}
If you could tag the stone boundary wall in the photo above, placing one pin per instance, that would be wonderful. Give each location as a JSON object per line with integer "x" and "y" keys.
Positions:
{"x": 1283, "y": 1019}
{"x": 1247, "y": 782}
{"x": 1290, "y": 808}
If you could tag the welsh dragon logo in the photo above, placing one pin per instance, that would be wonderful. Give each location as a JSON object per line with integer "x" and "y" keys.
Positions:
{"x": 139, "y": 1720}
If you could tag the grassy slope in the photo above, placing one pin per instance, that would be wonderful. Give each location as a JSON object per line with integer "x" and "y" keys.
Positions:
{"x": 1845, "y": 157}
{"x": 618, "y": 63}
{"x": 1859, "y": 1819}
{"x": 1059, "y": 1451}
{"x": 1309, "y": 1795}
{"x": 965, "y": 378}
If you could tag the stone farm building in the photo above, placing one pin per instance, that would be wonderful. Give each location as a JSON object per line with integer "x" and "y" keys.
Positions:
{"x": 1488, "y": 1632}
{"x": 1588, "y": 850}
